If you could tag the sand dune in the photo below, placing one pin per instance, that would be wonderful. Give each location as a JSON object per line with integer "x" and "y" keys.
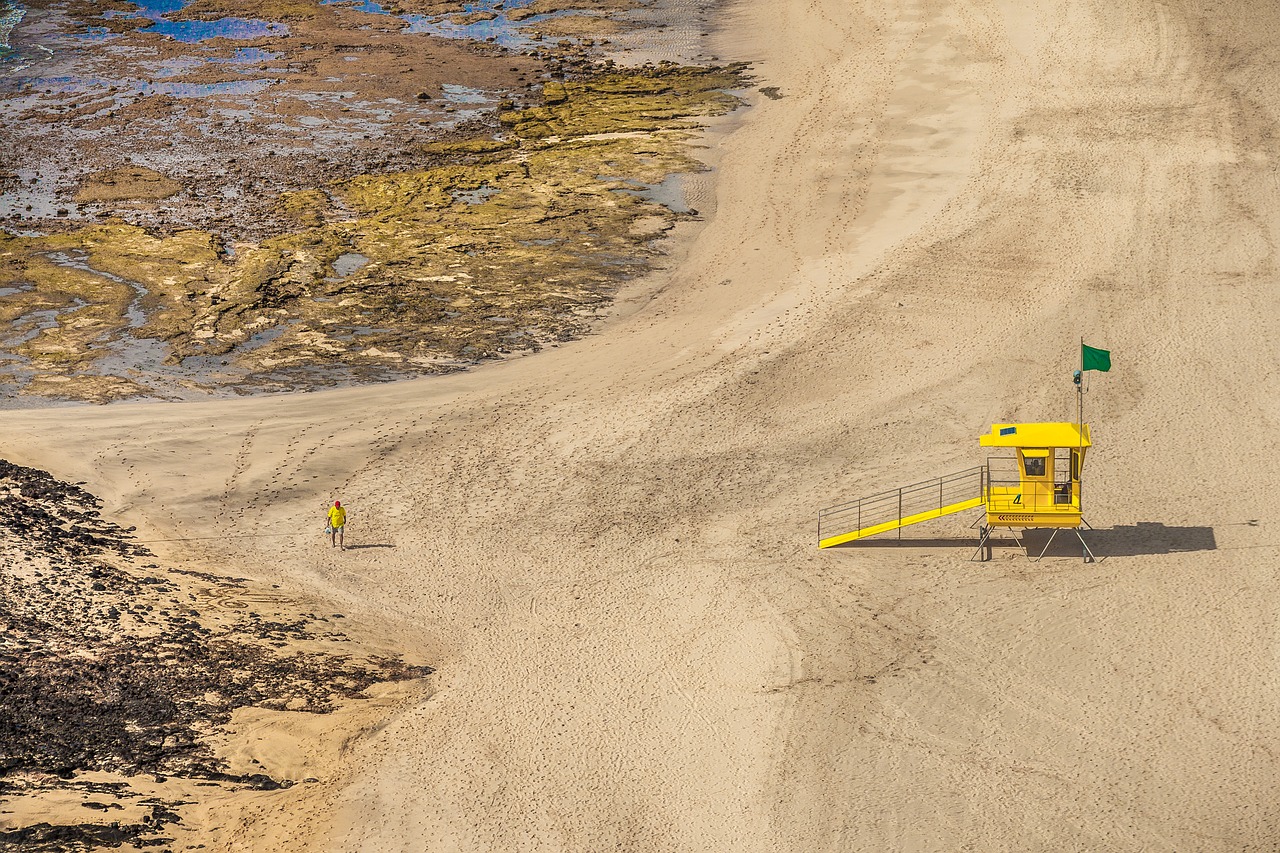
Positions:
{"x": 607, "y": 550}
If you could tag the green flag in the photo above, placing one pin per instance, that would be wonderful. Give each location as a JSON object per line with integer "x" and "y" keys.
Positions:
{"x": 1094, "y": 359}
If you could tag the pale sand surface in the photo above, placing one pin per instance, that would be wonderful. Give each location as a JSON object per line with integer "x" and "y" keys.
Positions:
{"x": 608, "y": 550}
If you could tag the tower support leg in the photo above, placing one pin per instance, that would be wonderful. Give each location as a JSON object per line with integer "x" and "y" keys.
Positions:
{"x": 983, "y": 554}
{"x": 1088, "y": 555}
{"x": 1045, "y": 550}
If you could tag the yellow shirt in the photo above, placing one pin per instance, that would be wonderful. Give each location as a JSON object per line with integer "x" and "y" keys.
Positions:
{"x": 337, "y": 516}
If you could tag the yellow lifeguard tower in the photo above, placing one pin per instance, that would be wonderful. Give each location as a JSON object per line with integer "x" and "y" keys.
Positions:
{"x": 1040, "y": 485}
{"x": 1037, "y": 485}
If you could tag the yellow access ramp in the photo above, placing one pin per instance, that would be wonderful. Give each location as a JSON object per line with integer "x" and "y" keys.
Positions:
{"x": 899, "y": 508}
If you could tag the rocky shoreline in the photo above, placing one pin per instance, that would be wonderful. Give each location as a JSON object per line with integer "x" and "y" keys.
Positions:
{"x": 115, "y": 670}
{"x": 346, "y": 198}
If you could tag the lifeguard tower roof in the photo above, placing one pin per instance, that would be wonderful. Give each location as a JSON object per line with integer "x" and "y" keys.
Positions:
{"x": 1036, "y": 435}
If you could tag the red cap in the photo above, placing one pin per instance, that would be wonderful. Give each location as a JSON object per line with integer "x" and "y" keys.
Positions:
{"x": 337, "y": 503}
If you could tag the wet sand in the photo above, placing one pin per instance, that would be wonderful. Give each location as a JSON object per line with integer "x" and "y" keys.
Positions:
{"x": 609, "y": 548}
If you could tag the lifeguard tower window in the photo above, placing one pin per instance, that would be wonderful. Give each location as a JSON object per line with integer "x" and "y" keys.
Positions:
{"x": 1033, "y": 466}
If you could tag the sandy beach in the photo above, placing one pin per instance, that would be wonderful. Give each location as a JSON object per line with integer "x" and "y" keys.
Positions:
{"x": 606, "y": 551}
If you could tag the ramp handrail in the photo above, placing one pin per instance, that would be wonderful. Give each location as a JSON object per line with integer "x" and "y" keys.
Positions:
{"x": 895, "y": 505}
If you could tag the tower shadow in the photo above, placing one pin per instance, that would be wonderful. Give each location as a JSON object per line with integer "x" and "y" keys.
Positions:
{"x": 1123, "y": 540}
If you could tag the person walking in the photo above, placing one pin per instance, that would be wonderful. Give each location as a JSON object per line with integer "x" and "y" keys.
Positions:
{"x": 337, "y": 521}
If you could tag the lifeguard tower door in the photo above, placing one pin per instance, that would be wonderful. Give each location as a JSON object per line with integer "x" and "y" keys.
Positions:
{"x": 1067, "y": 489}
{"x": 1036, "y": 470}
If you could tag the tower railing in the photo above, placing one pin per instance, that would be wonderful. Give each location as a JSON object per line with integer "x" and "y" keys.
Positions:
{"x": 897, "y": 508}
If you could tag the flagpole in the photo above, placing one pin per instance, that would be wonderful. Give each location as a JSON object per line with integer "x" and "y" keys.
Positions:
{"x": 1080, "y": 424}
{"x": 1100, "y": 360}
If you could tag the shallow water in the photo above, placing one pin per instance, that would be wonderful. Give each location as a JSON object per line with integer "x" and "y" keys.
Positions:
{"x": 241, "y": 29}
{"x": 11, "y": 14}
{"x": 80, "y": 261}
{"x": 348, "y": 263}
{"x": 192, "y": 32}
{"x": 250, "y": 54}
{"x": 500, "y": 29}
{"x": 35, "y": 196}
{"x": 477, "y": 196}
{"x": 669, "y": 192}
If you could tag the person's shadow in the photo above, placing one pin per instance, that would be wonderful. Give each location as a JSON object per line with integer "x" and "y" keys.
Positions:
{"x": 372, "y": 545}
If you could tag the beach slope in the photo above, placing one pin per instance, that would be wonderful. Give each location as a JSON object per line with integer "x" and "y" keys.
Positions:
{"x": 607, "y": 550}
